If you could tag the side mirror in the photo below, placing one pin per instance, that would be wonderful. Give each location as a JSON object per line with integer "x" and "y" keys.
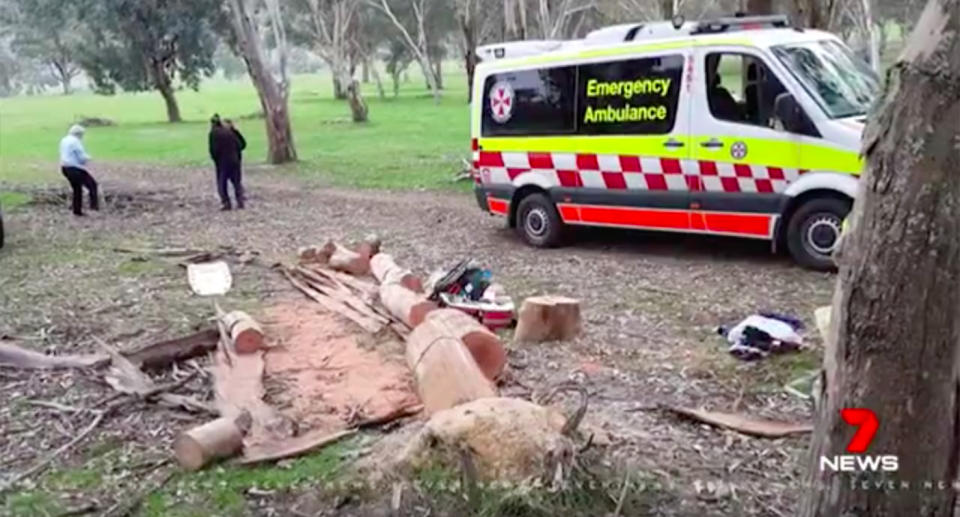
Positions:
{"x": 789, "y": 116}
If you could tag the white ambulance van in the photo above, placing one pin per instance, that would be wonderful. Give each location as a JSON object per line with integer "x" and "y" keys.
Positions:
{"x": 739, "y": 126}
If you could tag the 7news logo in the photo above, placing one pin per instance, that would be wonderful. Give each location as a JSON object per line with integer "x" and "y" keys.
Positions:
{"x": 867, "y": 424}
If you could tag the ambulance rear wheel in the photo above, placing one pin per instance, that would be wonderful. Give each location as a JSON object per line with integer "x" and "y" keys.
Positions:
{"x": 813, "y": 231}
{"x": 538, "y": 222}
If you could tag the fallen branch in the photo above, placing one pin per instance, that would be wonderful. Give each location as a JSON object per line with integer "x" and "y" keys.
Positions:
{"x": 162, "y": 354}
{"x": 750, "y": 426}
{"x": 20, "y": 357}
{"x": 341, "y": 294}
{"x": 292, "y": 447}
{"x": 63, "y": 408}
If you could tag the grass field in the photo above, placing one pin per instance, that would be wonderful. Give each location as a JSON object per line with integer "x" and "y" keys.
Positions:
{"x": 409, "y": 142}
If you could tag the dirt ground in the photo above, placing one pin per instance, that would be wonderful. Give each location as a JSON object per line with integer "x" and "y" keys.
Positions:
{"x": 651, "y": 306}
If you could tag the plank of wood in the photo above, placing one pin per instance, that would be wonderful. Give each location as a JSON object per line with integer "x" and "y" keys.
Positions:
{"x": 758, "y": 427}
{"x": 160, "y": 355}
{"x": 363, "y": 286}
{"x": 292, "y": 447}
{"x": 349, "y": 300}
{"x": 366, "y": 323}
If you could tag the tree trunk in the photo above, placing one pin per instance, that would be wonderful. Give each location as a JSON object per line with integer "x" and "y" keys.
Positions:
{"x": 468, "y": 30}
{"x": 358, "y": 106}
{"x": 666, "y": 7}
{"x": 365, "y": 71}
{"x": 396, "y": 83}
{"x": 377, "y": 80}
{"x": 273, "y": 101}
{"x": 760, "y": 6}
{"x": 894, "y": 332}
{"x": 438, "y": 73}
{"x": 165, "y": 87}
{"x": 338, "y": 91}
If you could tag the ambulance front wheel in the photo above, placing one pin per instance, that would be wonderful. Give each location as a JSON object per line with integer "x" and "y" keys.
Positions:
{"x": 814, "y": 229}
{"x": 538, "y": 222}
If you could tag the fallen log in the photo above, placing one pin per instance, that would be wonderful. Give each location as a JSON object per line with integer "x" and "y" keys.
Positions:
{"x": 408, "y": 306}
{"x": 20, "y": 357}
{"x": 369, "y": 247}
{"x": 220, "y": 438}
{"x": 386, "y": 271}
{"x": 484, "y": 345}
{"x": 160, "y": 355}
{"x": 446, "y": 374}
{"x": 246, "y": 336}
{"x": 349, "y": 261}
{"x": 365, "y": 322}
{"x": 548, "y": 318}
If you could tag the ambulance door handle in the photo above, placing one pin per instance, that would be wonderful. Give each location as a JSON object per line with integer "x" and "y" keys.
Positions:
{"x": 673, "y": 143}
{"x": 713, "y": 143}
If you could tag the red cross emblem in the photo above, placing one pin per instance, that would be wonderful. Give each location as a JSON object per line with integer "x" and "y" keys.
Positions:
{"x": 501, "y": 101}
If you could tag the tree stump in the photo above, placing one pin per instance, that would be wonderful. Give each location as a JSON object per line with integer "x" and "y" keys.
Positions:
{"x": 483, "y": 345}
{"x": 548, "y": 318}
{"x": 445, "y": 372}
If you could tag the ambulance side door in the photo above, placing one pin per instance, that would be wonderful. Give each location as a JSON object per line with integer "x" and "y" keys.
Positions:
{"x": 744, "y": 163}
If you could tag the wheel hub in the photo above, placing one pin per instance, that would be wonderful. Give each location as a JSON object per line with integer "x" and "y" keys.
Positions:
{"x": 823, "y": 233}
{"x": 536, "y": 222}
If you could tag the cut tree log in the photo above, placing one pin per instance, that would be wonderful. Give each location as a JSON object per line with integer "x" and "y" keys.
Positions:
{"x": 220, "y": 438}
{"x": 386, "y": 271}
{"x": 246, "y": 336}
{"x": 160, "y": 355}
{"x": 20, "y": 357}
{"x": 483, "y": 345}
{"x": 369, "y": 247}
{"x": 445, "y": 372}
{"x": 408, "y": 306}
{"x": 315, "y": 254}
{"x": 548, "y": 318}
{"x": 349, "y": 261}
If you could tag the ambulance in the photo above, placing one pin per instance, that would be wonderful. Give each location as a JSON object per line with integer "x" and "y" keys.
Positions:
{"x": 743, "y": 127}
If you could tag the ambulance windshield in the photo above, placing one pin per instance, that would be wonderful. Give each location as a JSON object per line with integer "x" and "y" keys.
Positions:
{"x": 841, "y": 83}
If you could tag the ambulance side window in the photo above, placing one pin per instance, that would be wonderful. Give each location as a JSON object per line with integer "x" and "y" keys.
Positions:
{"x": 635, "y": 96}
{"x": 740, "y": 88}
{"x": 530, "y": 102}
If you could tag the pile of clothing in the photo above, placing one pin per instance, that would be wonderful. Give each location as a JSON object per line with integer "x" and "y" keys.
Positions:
{"x": 760, "y": 335}
{"x": 469, "y": 288}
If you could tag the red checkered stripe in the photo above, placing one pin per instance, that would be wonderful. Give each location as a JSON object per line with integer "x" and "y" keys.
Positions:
{"x": 625, "y": 172}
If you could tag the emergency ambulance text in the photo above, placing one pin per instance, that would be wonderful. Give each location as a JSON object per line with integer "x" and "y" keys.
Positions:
{"x": 628, "y": 89}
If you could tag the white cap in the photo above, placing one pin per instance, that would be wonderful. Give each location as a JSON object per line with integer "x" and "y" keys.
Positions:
{"x": 76, "y": 130}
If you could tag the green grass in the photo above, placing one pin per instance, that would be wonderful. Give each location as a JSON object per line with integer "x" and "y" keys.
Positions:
{"x": 220, "y": 490}
{"x": 409, "y": 141}
{"x": 11, "y": 200}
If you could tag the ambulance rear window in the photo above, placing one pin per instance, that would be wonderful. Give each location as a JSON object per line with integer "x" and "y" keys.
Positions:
{"x": 530, "y": 102}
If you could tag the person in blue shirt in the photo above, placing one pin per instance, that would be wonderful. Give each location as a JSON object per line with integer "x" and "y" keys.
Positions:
{"x": 73, "y": 165}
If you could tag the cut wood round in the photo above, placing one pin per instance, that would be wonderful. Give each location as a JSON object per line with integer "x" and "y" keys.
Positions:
{"x": 446, "y": 373}
{"x": 369, "y": 247}
{"x": 386, "y": 271}
{"x": 220, "y": 438}
{"x": 315, "y": 254}
{"x": 483, "y": 345}
{"x": 246, "y": 336}
{"x": 349, "y": 261}
{"x": 406, "y": 305}
{"x": 548, "y": 318}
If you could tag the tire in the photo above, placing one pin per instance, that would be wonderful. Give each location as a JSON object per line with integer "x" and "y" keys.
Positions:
{"x": 814, "y": 230}
{"x": 538, "y": 222}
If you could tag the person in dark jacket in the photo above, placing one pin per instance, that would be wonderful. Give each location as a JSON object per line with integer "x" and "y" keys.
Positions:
{"x": 238, "y": 182}
{"x": 225, "y": 150}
